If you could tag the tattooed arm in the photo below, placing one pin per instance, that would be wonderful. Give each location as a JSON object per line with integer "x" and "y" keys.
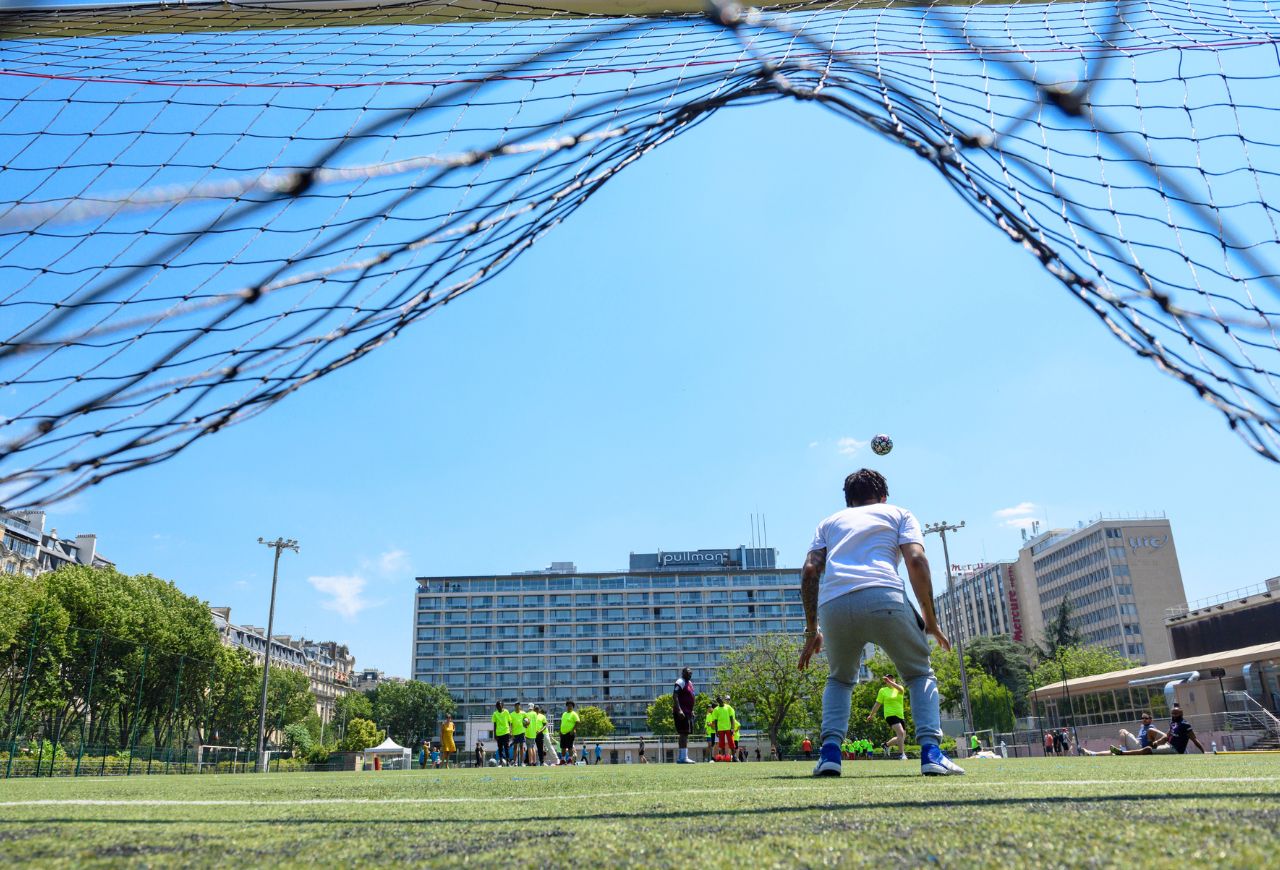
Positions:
{"x": 810, "y": 576}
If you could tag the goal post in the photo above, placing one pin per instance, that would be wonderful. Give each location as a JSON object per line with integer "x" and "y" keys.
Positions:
{"x": 211, "y": 756}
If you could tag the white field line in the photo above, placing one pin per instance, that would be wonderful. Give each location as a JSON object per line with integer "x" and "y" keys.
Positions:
{"x": 153, "y": 802}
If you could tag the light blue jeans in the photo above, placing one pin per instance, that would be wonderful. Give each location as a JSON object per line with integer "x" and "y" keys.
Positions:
{"x": 882, "y": 616}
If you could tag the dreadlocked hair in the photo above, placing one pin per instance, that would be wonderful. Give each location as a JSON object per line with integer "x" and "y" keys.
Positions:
{"x": 865, "y": 486}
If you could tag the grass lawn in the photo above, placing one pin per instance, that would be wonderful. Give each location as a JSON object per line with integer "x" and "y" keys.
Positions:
{"x": 1134, "y": 812}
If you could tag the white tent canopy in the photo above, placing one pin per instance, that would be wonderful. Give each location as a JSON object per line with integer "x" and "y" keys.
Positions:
{"x": 399, "y": 756}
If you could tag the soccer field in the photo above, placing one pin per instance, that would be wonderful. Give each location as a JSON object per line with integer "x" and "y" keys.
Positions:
{"x": 1137, "y": 812}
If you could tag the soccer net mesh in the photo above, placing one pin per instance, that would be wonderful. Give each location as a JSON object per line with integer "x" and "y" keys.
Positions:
{"x": 205, "y": 207}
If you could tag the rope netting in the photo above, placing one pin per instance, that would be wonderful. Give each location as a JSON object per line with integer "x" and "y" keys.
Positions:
{"x": 205, "y": 207}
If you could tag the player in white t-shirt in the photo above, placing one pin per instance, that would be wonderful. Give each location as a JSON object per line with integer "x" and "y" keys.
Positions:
{"x": 852, "y": 596}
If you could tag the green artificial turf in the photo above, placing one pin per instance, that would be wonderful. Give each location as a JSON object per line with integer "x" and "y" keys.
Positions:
{"x": 1134, "y": 812}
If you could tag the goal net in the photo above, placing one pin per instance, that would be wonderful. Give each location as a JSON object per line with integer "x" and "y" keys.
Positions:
{"x": 205, "y": 207}
{"x": 218, "y": 759}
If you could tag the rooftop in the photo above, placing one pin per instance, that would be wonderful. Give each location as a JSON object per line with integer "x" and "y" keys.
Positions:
{"x": 1120, "y": 679}
{"x": 1242, "y": 597}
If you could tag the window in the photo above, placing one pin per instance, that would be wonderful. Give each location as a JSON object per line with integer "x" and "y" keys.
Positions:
{"x": 534, "y": 600}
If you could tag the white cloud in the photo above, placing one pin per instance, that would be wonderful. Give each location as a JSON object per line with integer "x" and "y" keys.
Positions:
{"x": 345, "y": 594}
{"x": 849, "y": 446}
{"x": 1020, "y": 523}
{"x": 1023, "y": 509}
{"x": 813, "y": 444}
{"x": 393, "y": 562}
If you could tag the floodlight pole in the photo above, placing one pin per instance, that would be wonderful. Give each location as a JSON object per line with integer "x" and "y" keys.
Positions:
{"x": 278, "y": 544}
{"x": 941, "y": 530}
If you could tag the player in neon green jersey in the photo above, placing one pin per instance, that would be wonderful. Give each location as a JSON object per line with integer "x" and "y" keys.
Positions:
{"x": 711, "y": 729}
{"x": 725, "y": 720}
{"x": 519, "y": 726}
{"x": 531, "y": 736}
{"x": 541, "y": 738}
{"x": 502, "y": 732}
{"x": 890, "y": 697}
{"x": 568, "y": 728}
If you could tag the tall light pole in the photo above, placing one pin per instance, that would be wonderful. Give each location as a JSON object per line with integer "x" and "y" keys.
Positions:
{"x": 278, "y": 544}
{"x": 941, "y": 529}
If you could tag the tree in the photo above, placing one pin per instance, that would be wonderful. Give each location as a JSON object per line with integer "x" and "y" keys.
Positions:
{"x": 116, "y": 659}
{"x": 594, "y": 722}
{"x": 289, "y": 697}
{"x": 361, "y": 734}
{"x": 1009, "y": 662}
{"x": 660, "y": 716}
{"x": 353, "y": 705}
{"x": 992, "y": 703}
{"x": 231, "y": 713}
{"x": 1060, "y": 632}
{"x": 1078, "y": 661}
{"x": 409, "y": 711}
{"x": 946, "y": 669}
{"x": 764, "y": 683}
{"x": 297, "y": 739}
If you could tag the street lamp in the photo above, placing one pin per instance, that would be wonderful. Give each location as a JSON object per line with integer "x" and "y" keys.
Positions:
{"x": 941, "y": 530}
{"x": 278, "y": 544}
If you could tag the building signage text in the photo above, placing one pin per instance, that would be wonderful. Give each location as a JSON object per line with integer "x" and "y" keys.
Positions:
{"x": 717, "y": 557}
{"x": 1150, "y": 541}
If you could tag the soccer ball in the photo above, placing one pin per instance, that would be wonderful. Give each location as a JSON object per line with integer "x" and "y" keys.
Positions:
{"x": 881, "y": 445}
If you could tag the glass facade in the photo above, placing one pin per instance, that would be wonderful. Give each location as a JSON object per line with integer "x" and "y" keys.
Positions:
{"x": 1090, "y": 569}
{"x": 979, "y": 604}
{"x": 614, "y": 640}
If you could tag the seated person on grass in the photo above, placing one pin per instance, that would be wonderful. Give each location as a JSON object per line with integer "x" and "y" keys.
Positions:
{"x": 1138, "y": 743}
{"x": 1175, "y": 740}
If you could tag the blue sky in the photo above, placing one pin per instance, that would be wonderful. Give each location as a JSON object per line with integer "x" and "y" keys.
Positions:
{"x": 716, "y": 334}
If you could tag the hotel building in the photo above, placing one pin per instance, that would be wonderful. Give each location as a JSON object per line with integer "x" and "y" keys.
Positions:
{"x": 615, "y": 640}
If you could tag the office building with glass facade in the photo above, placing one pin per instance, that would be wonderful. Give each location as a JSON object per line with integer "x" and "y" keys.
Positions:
{"x": 615, "y": 640}
{"x": 982, "y": 602}
{"x": 1120, "y": 575}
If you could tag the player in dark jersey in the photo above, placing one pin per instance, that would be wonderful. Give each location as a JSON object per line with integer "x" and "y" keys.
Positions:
{"x": 1180, "y": 732}
{"x": 1176, "y": 738}
{"x": 682, "y": 699}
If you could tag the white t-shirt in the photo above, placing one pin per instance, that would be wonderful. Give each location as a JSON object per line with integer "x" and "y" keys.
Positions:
{"x": 862, "y": 548}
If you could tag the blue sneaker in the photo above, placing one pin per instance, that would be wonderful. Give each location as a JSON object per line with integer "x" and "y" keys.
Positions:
{"x": 934, "y": 763}
{"x": 828, "y": 760}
